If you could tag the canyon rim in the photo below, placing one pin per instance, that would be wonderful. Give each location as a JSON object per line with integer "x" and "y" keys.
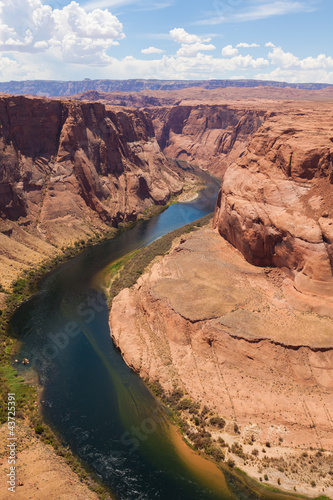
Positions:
{"x": 238, "y": 318}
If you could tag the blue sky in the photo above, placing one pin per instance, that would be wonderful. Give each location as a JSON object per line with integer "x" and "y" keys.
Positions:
{"x": 285, "y": 40}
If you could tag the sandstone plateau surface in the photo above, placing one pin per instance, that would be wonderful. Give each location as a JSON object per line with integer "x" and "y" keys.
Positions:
{"x": 150, "y": 98}
{"x": 69, "y": 170}
{"x": 204, "y": 320}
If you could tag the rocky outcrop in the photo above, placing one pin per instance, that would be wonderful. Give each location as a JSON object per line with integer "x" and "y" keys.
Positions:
{"x": 275, "y": 204}
{"x": 220, "y": 329}
{"x": 69, "y": 170}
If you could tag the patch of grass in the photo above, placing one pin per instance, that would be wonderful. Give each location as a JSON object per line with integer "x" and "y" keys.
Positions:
{"x": 10, "y": 382}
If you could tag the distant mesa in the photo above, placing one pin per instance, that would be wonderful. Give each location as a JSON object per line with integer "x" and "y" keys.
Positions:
{"x": 52, "y": 88}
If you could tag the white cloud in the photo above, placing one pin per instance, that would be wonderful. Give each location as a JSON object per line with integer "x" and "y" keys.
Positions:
{"x": 321, "y": 62}
{"x": 201, "y": 66}
{"x": 297, "y": 76}
{"x": 24, "y": 23}
{"x": 289, "y": 67}
{"x": 82, "y": 36}
{"x": 284, "y": 59}
{"x": 69, "y": 33}
{"x": 192, "y": 49}
{"x": 229, "y": 51}
{"x": 181, "y": 36}
{"x": 191, "y": 45}
{"x": 287, "y": 60}
{"x": 247, "y": 45}
{"x": 269, "y": 44}
{"x": 152, "y": 50}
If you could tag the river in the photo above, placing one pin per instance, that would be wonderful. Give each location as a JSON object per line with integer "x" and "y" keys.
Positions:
{"x": 99, "y": 407}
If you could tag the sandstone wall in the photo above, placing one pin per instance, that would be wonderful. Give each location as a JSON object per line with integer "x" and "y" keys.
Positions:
{"x": 64, "y": 161}
{"x": 276, "y": 200}
{"x": 207, "y": 135}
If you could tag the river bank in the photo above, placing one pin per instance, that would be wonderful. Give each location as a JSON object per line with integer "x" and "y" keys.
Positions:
{"x": 27, "y": 391}
{"x": 209, "y": 363}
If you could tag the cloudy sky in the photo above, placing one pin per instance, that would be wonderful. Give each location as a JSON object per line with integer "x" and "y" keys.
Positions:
{"x": 286, "y": 40}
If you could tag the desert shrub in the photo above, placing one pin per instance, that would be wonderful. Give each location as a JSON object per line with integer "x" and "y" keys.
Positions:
{"x": 201, "y": 440}
{"x": 188, "y": 404}
{"x": 217, "y": 422}
{"x": 157, "y": 389}
{"x": 214, "y": 452}
{"x": 237, "y": 449}
{"x": 205, "y": 411}
{"x": 39, "y": 429}
{"x": 175, "y": 396}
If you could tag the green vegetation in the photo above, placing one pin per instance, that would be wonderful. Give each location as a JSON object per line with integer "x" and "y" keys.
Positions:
{"x": 10, "y": 382}
{"x": 217, "y": 422}
{"x": 188, "y": 404}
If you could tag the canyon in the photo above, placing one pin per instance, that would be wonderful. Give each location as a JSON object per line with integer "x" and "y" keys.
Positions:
{"x": 239, "y": 314}
{"x": 70, "y": 171}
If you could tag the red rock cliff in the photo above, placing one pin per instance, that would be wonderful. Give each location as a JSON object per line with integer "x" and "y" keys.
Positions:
{"x": 206, "y": 134}
{"x": 63, "y": 161}
{"x": 276, "y": 200}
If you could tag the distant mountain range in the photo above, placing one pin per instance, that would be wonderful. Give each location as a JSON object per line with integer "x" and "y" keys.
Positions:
{"x": 50, "y": 88}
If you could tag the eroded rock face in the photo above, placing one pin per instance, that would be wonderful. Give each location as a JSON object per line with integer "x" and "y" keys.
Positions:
{"x": 71, "y": 170}
{"x": 209, "y": 135}
{"x": 64, "y": 161}
{"x": 275, "y": 204}
{"x": 223, "y": 331}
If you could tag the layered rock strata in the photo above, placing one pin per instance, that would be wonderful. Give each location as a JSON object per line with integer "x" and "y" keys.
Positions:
{"x": 69, "y": 170}
{"x": 209, "y": 135}
{"x": 276, "y": 200}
